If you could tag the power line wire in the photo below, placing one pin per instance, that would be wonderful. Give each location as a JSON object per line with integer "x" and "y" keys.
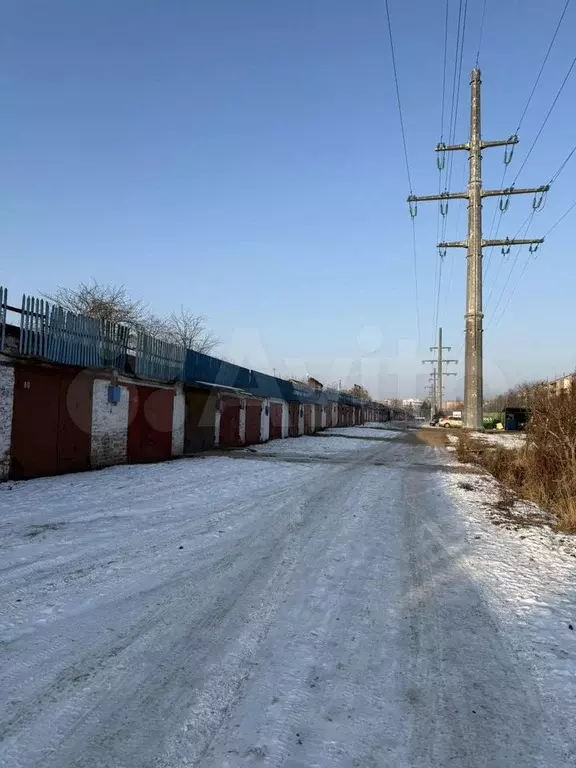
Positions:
{"x": 460, "y": 36}
{"x": 439, "y": 260}
{"x": 415, "y": 263}
{"x": 444, "y": 70}
{"x": 562, "y": 166}
{"x": 398, "y": 97}
{"x": 523, "y": 227}
{"x": 481, "y": 32}
{"x": 553, "y": 227}
{"x": 493, "y": 234}
{"x": 571, "y": 67}
{"x": 543, "y": 65}
{"x": 404, "y": 144}
{"x": 456, "y": 82}
{"x": 513, "y": 291}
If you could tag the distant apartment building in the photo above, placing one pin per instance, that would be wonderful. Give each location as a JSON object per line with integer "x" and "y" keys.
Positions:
{"x": 413, "y": 403}
{"x": 562, "y": 384}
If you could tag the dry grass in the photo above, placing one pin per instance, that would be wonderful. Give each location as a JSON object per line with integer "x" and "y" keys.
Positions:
{"x": 544, "y": 469}
{"x": 433, "y": 437}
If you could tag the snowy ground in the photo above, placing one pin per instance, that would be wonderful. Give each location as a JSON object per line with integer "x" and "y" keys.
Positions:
{"x": 223, "y": 613}
{"x": 504, "y": 439}
{"x": 375, "y": 432}
{"x": 312, "y": 445}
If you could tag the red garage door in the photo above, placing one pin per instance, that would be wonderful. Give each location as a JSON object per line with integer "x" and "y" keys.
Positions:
{"x": 253, "y": 421}
{"x": 308, "y": 419}
{"x": 294, "y": 416}
{"x": 149, "y": 424}
{"x": 52, "y": 421}
{"x": 230, "y": 422}
{"x": 275, "y": 421}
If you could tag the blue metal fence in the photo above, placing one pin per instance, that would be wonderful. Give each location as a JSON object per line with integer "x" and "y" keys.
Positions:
{"x": 3, "y": 309}
{"x": 204, "y": 368}
{"x": 156, "y": 359}
{"x": 52, "y": 333}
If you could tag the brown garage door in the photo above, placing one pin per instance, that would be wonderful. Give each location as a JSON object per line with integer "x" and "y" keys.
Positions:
{"x": 51, "y": 428}
{"x": 200, "y": 420}
{"x": 150, "y": 424}
{"x": 229, "y": 422}
{"x": 294, "y": 417}
{"x": 308, "y": 419}
{"x": 275, "y": 421}
{"x": 253, "y": 421}
{"x": 318, "y": 418}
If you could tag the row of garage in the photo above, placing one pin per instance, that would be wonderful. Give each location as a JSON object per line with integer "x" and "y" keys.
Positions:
{"x": 56, "y": 419}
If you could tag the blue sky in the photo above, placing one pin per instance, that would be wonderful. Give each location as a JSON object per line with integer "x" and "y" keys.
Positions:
{"x": 243, "y": 158}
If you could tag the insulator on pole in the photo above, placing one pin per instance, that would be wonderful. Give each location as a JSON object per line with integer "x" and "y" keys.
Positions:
{"x": 509, "y": 149}
{"x": 539, "y": 201}
{"x": 441, "y": 155}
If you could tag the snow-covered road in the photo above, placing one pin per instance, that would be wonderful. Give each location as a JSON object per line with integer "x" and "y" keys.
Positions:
{"x": 222, "y": 613}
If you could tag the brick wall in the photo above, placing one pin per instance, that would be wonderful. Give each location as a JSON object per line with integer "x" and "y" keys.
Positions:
{"x": 178, "y": 422}
{"x": 109, "y": 426}
{"x": 6, "y": 406}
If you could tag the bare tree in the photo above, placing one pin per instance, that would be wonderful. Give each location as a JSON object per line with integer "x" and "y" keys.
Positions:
{"x": 188, "y": 330}
{"x": 103, "y": 302}
{"x": 360, "y": 392}
{"x": 113, "y": 303}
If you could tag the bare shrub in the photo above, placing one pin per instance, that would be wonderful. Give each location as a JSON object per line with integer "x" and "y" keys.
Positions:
{"x": 544, "y": 469}
{"x": 464, "y": 450}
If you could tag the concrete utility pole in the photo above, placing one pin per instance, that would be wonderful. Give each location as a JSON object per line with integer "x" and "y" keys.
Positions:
{"x": 440, "y": 361}
{"x": 432, "y": 393}
{"x": 473, "y": 386}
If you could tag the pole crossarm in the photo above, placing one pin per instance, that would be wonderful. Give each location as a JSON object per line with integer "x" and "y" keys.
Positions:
{"x": 511, "y": 140}
{"x": 457, "y": 244}
{"x": 513, "y": 191}
{"x": 513, "y": 241}
{"x": 442, "y": 196}
{"x": 483, "y": 145}
{"x": 452, "y": 147}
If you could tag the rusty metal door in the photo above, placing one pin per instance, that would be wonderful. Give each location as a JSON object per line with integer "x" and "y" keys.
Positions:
{"x": 275, "y": 421}
{"x": 230, "y": 422}
{"x": 51, "y": 428}
{"x": 253, "y": 414}
{"x": 149, "y": 424}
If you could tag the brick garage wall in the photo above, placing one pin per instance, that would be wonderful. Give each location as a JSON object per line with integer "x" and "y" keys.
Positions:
{"x": 178, "y": 422}
{"x": 109, "y": 426}
{"x": 6, "y": 407}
